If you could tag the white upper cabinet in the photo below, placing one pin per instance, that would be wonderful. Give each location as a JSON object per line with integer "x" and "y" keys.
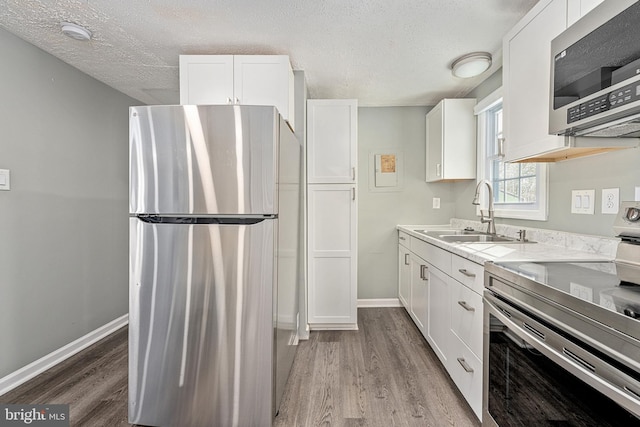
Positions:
{"x": 451, "y": 140}
{"x": 578, "y": 8}
{"x": 332, "y": 141}
{"x": 526, "y": 79}
{"x": 206, "y": 79}
{"x": 238, "y": 79}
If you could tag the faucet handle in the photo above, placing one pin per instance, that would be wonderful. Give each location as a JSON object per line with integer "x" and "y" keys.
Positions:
{"x": 522, "y": 235}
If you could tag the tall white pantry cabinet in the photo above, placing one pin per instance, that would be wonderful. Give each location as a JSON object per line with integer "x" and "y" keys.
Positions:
{"x": 332, "y": 137}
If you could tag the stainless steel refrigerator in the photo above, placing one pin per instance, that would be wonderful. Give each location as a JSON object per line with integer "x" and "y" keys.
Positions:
{"x": 214, "y": 264}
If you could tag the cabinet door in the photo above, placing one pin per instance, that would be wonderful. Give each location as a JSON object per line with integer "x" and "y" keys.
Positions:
{"x": 438, "y": 329}
{"x": 332, "y": 140}
{"x": 466, "y": 316}
{"x": 206, "y": 79}
{"x": 577, "y": 9}
{"x": 332, "y": 255}
{"x": 434, "y": 130}
{"x": 526, "y": 80}
{"x": 264, "y": 80}
{"x": 465, "y": 369}
{"x": 404, "y": 276}
{"x": 418, "y": 301}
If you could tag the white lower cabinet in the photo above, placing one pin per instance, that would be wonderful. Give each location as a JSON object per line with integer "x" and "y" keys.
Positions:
{"x": 442, "y": 293}
{"x": 466, "y": 315}
{"x": 419, "y": 292}
{"x": 465, "y": 369}
{"x": 404, "y": 270}
{"x": 437, "y": 335}
{"x": 332, "y": 252}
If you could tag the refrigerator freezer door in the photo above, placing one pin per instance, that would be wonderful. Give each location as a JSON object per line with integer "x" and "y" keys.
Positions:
{"x": 203, "y": 160}
{"x": 201, "y": 324}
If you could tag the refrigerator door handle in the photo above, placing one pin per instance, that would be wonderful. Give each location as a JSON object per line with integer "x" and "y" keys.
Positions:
{"x": 193, "y": 220}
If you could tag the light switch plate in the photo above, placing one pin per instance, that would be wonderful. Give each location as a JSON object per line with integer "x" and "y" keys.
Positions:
{"x": 436, "y": 203}
{"x": 5, "y": 179}
{"x": 610, "y": 200}
{"x": 583, "y": 201}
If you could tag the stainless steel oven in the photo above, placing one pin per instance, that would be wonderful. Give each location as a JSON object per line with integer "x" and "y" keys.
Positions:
{"x": 562, "y": 342}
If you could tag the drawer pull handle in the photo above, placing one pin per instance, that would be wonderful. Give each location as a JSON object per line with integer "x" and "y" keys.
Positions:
{"x": 402, "y": 238}
{"x": 466, "y": 272}
{"x": 466, "y": 306}
{"x": 423, "y": 272}
{"x": 406, "y": 259}
{"x": 465, "y": 365}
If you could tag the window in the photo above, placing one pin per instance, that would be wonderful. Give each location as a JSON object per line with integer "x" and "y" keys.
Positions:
{"x": 519, "y": 189}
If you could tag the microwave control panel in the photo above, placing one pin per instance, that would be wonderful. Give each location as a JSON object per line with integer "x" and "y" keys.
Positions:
{"x": 608, "y": 101}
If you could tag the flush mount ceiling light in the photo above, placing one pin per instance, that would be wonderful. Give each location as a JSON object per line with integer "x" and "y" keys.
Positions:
{"x": 75, "y": 31}
{"x": 471, "y": 65}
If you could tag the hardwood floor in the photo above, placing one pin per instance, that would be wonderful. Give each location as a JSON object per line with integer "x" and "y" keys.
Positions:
{"x": 93, "y": 383}
{"x": 383, "y": 375}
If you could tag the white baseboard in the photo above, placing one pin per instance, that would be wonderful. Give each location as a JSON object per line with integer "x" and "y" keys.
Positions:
{"x": 379, "y": 302}
{"x": 37, "y": 367}
{"x": 334, "y": 326}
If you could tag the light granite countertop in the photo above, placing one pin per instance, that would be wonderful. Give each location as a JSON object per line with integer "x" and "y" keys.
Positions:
{"x": 550, "y": 245}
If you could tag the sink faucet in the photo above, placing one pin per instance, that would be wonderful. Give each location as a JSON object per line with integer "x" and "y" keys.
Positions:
{"x": 491, "y": 229}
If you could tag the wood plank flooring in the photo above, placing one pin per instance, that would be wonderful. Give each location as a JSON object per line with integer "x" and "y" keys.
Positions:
{"x": 383, "y": 375}
{"x": 93, "y": 383}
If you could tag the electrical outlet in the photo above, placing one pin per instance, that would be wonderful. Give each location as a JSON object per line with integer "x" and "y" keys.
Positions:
{"x": 582, "y": 201}
{"x": 5, "y": 179}
{"x": 436, "y": 203}
{"x": 637, "y": 195}
{"x": 610, "y": 200}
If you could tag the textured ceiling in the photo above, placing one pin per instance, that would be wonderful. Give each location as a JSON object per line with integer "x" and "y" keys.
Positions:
{"x": 383, "y": 52}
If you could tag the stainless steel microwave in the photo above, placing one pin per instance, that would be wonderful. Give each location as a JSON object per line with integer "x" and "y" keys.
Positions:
{"x": 595, "y": 73}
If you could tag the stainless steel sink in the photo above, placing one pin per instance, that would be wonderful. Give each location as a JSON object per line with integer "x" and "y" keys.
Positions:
{"x": 468, "y": 236}
{"x": 452, "y": 232}
{"x": 477, "y": 238}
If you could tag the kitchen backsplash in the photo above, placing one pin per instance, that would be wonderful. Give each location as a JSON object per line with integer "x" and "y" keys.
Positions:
{"x": 582, "y": 242}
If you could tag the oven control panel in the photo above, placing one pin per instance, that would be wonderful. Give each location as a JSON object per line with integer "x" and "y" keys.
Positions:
{"x": 627, "y": 223}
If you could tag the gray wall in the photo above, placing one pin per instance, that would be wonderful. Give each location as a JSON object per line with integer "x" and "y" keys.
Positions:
{"x": 63, "y": 225}
{"x": 619, "y": 169}
{"x": 386, "y": 130}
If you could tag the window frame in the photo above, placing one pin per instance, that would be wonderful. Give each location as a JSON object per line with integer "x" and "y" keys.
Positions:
{"x": 537, "y": 212}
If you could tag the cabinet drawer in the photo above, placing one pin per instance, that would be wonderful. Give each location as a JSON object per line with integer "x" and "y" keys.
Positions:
{"x": 404, "y": 239}
{"x": 468, "y": 272}
{"x": 466, "y": 371}
{"x": 466, "y": 316}
{"x": 437, "y": 257}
